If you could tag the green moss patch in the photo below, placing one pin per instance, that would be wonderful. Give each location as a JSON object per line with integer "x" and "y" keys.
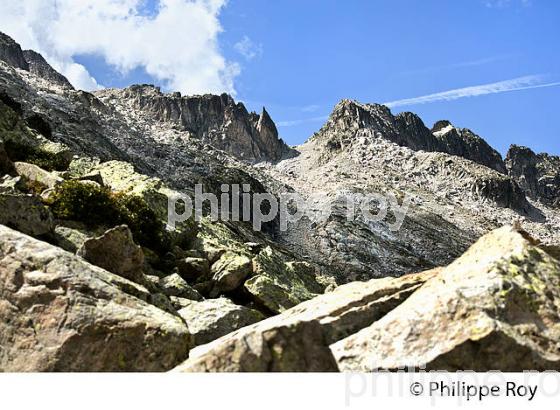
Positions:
{"x": 95, "y": 205}
{"x": 49, "y": 161}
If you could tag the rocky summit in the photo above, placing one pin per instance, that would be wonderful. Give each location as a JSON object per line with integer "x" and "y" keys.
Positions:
{"x": 459, "y": 271}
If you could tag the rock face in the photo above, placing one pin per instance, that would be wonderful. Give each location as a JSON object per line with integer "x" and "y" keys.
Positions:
{"x": 350, "y": 119}
{"x": 11, "y": 52}
{"x": 213, "y": 318}
{"x": 279, "y": 285}
{"x": 26, "y": 213}
{"x": 289, "y": 347}
{"x": 462, "y": 142}
{"x": 59, "y": 313}
{"x": 175, "y": 286}
{"x": 6, "y": 165}
{"x": 39, "y": 66}
{"x": 503, "y": 191}
{"x": 537, "y": 174}
{"x": 35, "y": 174}
{"x": 274, "y": 344}
{"x": 71, "y": 238}
{"x": 215, "y": 120}
{"x": 495, "y": 308}
{"x": 116, "y": 252}
{"x": 230, "y": 271}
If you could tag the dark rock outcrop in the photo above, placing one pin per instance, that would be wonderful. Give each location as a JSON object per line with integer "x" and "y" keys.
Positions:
{"x": 537, "y": 174}
{"x": 6, "y": 165}
{"x": 415, "y": 134}
{"x": 11, "y": 53}
{"x": 503, "y": 191}
{"x": 39, "y": 66}
{"x": 462, "y": 142}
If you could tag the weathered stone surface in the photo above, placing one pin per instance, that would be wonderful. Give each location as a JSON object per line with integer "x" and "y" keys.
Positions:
{"x": 59, "y": 313}
{"x": 279, "y": 285}
{"x": 215, "y": 119}
{"x": 70, "y": 236}
{"x": 503, "y": 191}
{"x": 39, "y": 66}
{"x": 192, "y": 268}
{"x": 175, "y": 285}
{"x": 350, "y": 119}
{"x": 11, "y": 52}
{"x": 180, "y": 303}
{"x": 325, "y": 319}
{"x": 116, "y": 252}
{"x": 81, "y": 166}
{"x": 36, "y": 174}
{"x": 287, "y": 347}
{"x": 354, "y": 306}
{"x": 6, "y": 165}
{"x": 465, "y": 143}
{"x": 230, "y": 271}
{"x": 213, "y": 318}
{"x": 495, "y": 308}
{"x": 94, "y": 176}
{"x": 537, "y": 174}
{"x": 121, "y": 177}
{"x": 25, "y": 213}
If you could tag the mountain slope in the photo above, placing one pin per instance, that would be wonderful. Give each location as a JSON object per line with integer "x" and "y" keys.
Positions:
{"x": 457, "y": 184}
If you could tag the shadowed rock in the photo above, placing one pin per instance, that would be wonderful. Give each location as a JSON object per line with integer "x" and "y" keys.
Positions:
{"x": 11, "y": 53}
{"x": 39, "y": 66}
{"x": 297, "y": 339}
{"x": 537, "y": 174}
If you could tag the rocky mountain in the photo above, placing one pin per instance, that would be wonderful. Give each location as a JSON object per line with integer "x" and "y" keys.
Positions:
{"x": 537, "y": 174}
{"x": 42, "y": 69}
{"x": 11, "y": 52}
{"x": 86, "y": 256}
{"x": 405, "y": 129}
{"x": 215, "y": 120}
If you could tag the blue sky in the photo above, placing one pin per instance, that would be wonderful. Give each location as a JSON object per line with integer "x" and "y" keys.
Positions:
{"x": 299, "y": 58}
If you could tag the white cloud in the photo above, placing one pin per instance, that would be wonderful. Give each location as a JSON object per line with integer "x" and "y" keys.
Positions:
{"x": 462, "y": 64}
{"x": 248, "y": 49}
{"x": 177, "y": 43}
{"x": 516, "y": 84}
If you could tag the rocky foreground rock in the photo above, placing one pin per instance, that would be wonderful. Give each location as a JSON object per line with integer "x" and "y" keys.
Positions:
{"x": 496, "y": 308}
{"x": 59, "y": 313}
